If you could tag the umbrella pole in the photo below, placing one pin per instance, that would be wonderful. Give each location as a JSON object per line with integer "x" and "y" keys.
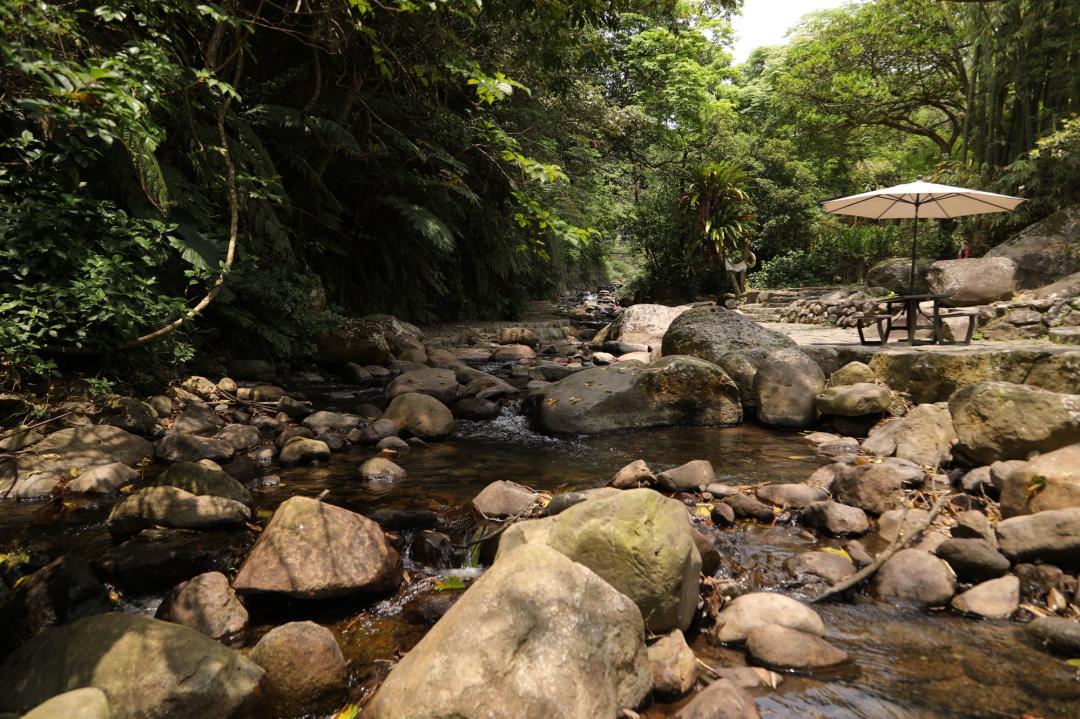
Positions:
{"x": 914, "y": 245}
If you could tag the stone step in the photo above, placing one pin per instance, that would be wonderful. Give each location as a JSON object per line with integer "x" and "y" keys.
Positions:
{"x": 1065, "y": 335}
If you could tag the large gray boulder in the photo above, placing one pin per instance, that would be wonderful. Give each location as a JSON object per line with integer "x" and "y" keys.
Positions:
{"x": 756, "y": 609}
{"x": 785, "y": 388}
{"x": 85, "y": 703}
{"x": 1001, "y": 420}
{"x": 638, "y": 541}
{"x": 537, "y": 636}
{"x": 420, "y": 416}
{"x": 640, "y": 325}
{"x": 82, "y": 448}
{"x": 197, "y": 479}
{"x": 670, "y": 391}
{"x": 973, "y": 281}
{"x": 1050, "y": 481}
{"x": 711, "y": 332}
{"x": 1043, "y": 252}
{"x": 148, "y": 669}
{"x": 894, "y": 274}
{"x": 314, "y": 550}
{"x": 924, "y": 436}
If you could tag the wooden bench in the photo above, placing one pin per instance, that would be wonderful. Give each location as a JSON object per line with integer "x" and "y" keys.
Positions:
{"x": 952, "y": 314}
{"x": 865, "y": 319}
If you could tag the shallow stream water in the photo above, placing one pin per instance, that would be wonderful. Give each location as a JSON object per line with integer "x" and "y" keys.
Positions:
{"x": 905, "y": 663}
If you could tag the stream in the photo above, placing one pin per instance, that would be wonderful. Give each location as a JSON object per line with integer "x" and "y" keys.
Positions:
{"x": 905, "y": 663}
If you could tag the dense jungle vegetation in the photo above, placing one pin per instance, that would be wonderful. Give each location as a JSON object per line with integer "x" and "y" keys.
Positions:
{"x": 181, "y": 177}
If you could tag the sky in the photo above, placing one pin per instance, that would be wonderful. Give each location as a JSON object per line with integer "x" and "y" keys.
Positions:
{"x": 765, "y": 22}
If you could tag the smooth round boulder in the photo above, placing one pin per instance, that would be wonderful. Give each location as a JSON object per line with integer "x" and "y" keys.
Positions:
{"x": 1000, "y": 420}
{"x": 994, "y": 599}
{"x": 789, "y": 649}
{"x": 380, "y": 469}
{"x": 695, "y": 475}
{"x": 172, "y": 507}
{"x": 673, "y": 665}
{"x": 179, "y": 447}
{"x": 305, "y": 669}
{"x": 85, "y": 703}
{"x": 973, "y": 560}
{"x": 1056, "y": 477}
{"x": 755, "y": 609}
{"x": 420, "y": 416}
{"x": 106, "y": 479}
{"x": 837, "y": 519}
{"x": 854, "y": 400}
{"x": 504, "y": 499}
{"x": 852, "y": 373}
{"x": 439, "y": 383}
{"x": 711, "y": 332}
{"x": 201, "y": 480}
{"x": 475, "y": 409}
{"x": 723, "y": 699}
{"x": 303, "y": 450}
{"x": 912, "y": 576}
{"x": 791, "y": 496}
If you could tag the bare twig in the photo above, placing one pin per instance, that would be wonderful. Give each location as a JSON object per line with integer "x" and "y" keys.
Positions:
{"x": 28, "y": 427}
{"x": 897, "y": 544}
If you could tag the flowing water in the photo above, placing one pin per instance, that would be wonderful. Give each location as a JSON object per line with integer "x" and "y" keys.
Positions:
{"x": 905, "y": 663}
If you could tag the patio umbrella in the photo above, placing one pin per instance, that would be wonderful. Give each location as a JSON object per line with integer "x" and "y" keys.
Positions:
{"x": 916, "y": 200}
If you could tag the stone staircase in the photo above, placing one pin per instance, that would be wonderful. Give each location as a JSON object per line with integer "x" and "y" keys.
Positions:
{"x": 767, "y": 305}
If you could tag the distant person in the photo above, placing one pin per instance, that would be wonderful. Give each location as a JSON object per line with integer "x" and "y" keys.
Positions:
{"x": 965, "y": 251}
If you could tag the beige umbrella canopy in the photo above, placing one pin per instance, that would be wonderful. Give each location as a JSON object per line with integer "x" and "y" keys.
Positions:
{"x": 916, "y": 200}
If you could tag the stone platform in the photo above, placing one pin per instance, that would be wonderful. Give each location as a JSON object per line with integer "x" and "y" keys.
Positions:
{"x": 931, "y": 373}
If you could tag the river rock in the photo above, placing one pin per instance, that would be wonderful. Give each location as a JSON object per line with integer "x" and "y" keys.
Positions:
{"x": 314, "y": 550}
{"x": 83, "y": 448}
{"x": 475, "y": 409}
{"x": 673, "y": 665}
{"x": 1001, "y": 420}
{"x": 924, "y": 436}
{"x": 711, "y": 332}
{"x": 874, "y": 488}
{"x": 537, "y": 635}
{"x": 854, "y": 400}
{"x": 746, "y": 507}
{"x": 85, "y": 703}
{"x": 831, "y": 567}
{"x": 692, "y": 476}
{"x": 973, "y": 524}
{"x": 198, "y": 479}
{"x": 377, "y": 431}
{"x": 785, "y": 388}
{"x": 791, "y": 496}
{"x": 837, "y": 519}
{"x": 852, "y": 373}
{"x": 993, "y": 599}
{"x": 635, "y": 474}
{"x": 239, "y": 436}
{"x": 912, "y": 576}
{"x": 178, "y": 447}
{"x": 1057, "y": 373}
{"x": 58, "y": 593}
{"x": 973, "y": 560}
{"x": 504, "y": 499}
{"x": 302, "y": 450}
{"x": 441, "y": 384}
{"x": 1050, "y": 481}
{"x": 197, "y": 419}
{"x": 671, "y": 391}
{"x": 380, "y": 469}
{"x": 207, "y": 603}
{"x": 130, "y": 414}
{"x": 637, "y": 540}
{"x": 1059, "y": 634}
{"x": 324, "y": 421}
{"x": 172, "y": 507}
{"x": 312, "y": 680}
{"x": 972, "y": 281}
{"x": 781, "y": 647}
{"x": 755, "y": 609}
{"x": 513, "y": 353}
{"x": 146, "y": 667}
{"x": 106, "y": 479}
{"x": 895, "y": 521}
{"x": 721, "y": 700}
{"x": 1053, "y": 535}
{"x": 420, "y": 416}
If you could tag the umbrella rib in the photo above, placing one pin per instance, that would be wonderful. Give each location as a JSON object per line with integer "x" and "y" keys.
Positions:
{"x": 986, "y": 202}
{"x": 937, "y": 201}
{"x": 890, "y": 207}
{"x": 894, "y": 198}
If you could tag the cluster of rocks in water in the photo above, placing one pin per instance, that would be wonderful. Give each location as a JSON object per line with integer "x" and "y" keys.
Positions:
{"x": 590, "y": 595}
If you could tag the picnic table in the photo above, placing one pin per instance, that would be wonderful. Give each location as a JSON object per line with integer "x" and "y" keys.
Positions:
{"x": 902, "y": 313}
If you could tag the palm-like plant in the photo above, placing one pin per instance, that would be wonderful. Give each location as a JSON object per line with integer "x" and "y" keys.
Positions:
{"x": 718, "y": 198}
